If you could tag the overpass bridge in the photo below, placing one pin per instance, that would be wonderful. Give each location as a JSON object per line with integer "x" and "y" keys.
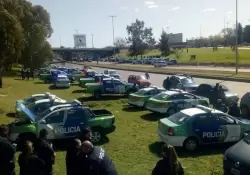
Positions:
{"x": 69, "y": 53}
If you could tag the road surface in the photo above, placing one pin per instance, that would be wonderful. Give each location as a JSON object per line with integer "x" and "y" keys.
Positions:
{"x": 157, "y": 80}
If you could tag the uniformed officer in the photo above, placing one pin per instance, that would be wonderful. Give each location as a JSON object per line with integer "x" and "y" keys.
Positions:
{"x": 93, "y": 160}
{"x": 45, "y": 152}
{"x": 7, "y": 153}
{"x": 71, "y": 156}
{"x": 29, "y": 163}
{"x": 234, "y": 110}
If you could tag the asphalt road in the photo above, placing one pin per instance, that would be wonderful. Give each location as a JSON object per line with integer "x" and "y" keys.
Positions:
{"x": 157, "y": 80}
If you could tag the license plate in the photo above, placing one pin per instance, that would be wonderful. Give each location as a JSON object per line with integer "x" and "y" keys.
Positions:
{"x": 235, "y": 171}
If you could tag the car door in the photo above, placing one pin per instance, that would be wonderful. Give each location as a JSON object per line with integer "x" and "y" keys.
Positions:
{"x": 53, "y": 123}
{"x": 119, "y": 87}
{"x": 108, "y": 87}
{"x": 177, "y": 102}
{"x": 75, "y": 121}
{"x": 232, "y": 131}
{"x": 206, "y": 128}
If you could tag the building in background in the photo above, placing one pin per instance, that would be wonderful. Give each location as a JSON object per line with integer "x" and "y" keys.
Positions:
{"x": 80, "y": 41}
{"x": 174, "y": 38}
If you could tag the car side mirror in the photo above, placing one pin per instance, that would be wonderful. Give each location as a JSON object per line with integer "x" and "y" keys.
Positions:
{"x": 42, "y": 122}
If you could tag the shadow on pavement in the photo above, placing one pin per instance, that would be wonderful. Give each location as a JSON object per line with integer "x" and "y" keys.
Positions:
{"x": 203, "y": 150}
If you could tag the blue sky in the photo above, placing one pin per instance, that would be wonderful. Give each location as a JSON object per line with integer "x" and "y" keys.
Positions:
{"x": 181, "y": 16}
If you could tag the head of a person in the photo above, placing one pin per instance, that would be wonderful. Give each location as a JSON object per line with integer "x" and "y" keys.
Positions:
{"x": 220, "y": 87}
{"x": 87, "y": 133}
{"x": 167, "y": 78}
{"x": 43, "y": 134}
{"x": 4, "y": 131}
{"x": 217, "y": 84}
{"x": 28, "y": 147}
{"x": 76, "y": 144}
{"x": 170, "y": 154}
{"x": 87, "y": 147}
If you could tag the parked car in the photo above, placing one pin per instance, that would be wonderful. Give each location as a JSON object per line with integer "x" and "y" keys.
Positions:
{"x": 140, "y": 80}
{"x": 207, "y": 90}
{"x": 62, "y": 81}
{"x": 160, "y": 64}
{"x": 192, "y": 127}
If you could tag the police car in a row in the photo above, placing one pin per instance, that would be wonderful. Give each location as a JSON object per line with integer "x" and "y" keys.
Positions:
{"x": 62, "y": 122}
{"x": 201, "y": 125}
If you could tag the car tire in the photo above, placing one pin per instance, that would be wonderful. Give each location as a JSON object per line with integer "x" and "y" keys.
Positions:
{"x": 171, "y": 111}
{"x": 97, "y": 135}
{"x": 191, "y": 144}
{"x": 97, "y": 94}
{"x": 244, "y": 111}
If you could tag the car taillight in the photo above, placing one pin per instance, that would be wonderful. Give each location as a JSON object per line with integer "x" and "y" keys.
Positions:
{"x": 171, "y": 131}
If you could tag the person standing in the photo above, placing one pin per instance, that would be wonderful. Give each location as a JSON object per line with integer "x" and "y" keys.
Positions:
{"x": 86, "y": 134}
{"x": 93, "y": 160}
{"x": 22, "y": 73}
{"x": 71, "y": 156}
{"x": 28, "y": 73}
{"x": 1, "y": 77}
{"x": 169, "y": 164}
{"x": 44, "y": 151}
{"x": 7, "y": 153}
{"x": 29, "y": 163}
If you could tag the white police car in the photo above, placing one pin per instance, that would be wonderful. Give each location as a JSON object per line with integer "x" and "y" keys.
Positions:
{"x": 62, "y": 81}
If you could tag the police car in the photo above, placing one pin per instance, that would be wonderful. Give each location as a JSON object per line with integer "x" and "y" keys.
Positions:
{"x": 201, "y": 125}
{"x": 41, "y": 105}
{"x": 62, "y": 122}
{"x": 62, "y": 81}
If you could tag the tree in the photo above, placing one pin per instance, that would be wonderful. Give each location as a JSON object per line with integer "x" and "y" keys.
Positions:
{"x": 11, "y": 39}
{"x": 240, "y": 33}
{"x": 164, "y": 46}
{"x": 246, "y": 34}
{"x": 120, "y": 43}
{"x": 140, "y": 38}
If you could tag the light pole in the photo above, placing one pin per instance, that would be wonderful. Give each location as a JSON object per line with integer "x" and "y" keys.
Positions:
{"x": 92, "y": 35}
{"x": 236, "y": 42}
{"x": 112, "y": 16}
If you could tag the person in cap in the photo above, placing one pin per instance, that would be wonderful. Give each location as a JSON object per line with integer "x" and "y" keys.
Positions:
{"x": 28, "y": 162}
{"x": 71, "y": 156}
{"x": 93, "y": 160}
{"x": 7, "y": 153}
{"x": 169, "y": 164}
{"x": 45, "y": 151}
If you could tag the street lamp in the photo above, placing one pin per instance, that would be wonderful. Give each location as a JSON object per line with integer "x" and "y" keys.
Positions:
{"x": 236, "y": 42}
{"x": 112, "y": 16}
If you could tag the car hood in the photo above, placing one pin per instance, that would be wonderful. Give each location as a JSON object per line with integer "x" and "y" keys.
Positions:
{"x": 230, "y": 94}
{"x": 239, "y": 152}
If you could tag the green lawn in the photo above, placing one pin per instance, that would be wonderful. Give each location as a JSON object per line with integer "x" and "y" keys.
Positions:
{"x": 133, "y": 146}
{"x": 204, "y": 55}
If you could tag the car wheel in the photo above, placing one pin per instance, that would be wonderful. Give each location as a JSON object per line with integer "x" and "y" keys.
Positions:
{"x": 97, "y": 94}
{"x": 190, "y": 144}
{"x": 244, "y": 111}
{"x": 96, "y": 135}
{"x": 171, "y": 111}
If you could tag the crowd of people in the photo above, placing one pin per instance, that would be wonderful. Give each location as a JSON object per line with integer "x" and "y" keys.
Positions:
{"x": 82, "y": 157}
{"x": 27, "y": 73}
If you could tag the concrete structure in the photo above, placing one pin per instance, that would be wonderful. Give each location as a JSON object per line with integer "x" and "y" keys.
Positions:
{"x": 80, "y": 41}
{"x": 175, "y": 38}
{"x": 94, "y": 53}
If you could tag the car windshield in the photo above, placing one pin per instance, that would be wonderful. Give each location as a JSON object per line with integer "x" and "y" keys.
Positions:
{"x": 247, "y": 139}
{"x": 187, "y": 81}
{"x": 112, "y": 72}
{"x": 29, "y": 99}
{"x": 39, "y": 116}
{"x": 141, "y": 92}
{"x": 178, "y": 118}
{"x": 161, "y": 96}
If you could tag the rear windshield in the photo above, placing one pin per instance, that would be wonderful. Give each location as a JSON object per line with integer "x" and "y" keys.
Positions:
{"x": 178, "y": 118}
{"x": 161, "y": 96}
{"x": 141, "y": 92}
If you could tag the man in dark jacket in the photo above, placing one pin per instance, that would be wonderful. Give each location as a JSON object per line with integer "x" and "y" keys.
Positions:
{"x": 234, "y": 110}
{"x": 167, "y": 83}
{"x": 71, "y": 156}
{"x": 221, "y": 106}
{"x": 45, "y": 152}
{"x": 93, "y": 160}
{"x": 7, "y": 153}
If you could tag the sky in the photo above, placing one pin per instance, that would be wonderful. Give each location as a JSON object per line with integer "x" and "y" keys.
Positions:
{"x": 190, "y": 17}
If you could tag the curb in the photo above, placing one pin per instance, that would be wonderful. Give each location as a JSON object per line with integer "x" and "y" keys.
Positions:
{"x": 230, "y": 78}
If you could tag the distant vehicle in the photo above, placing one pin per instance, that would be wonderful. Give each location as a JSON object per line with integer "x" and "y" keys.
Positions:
{"x": 110, "y": 72}
{"x": 141, "y": 97}
{"x": 110, "y": 86}
{"x": 172, "y": 101}
{"x": 140, "y": 80}
{"x": 90, "y": 59}
{"x": 192, "y": 127}
{"x": 207, "y": 90}
{"x": 245, "y": 105}
{"x": 171, "y": 61}
{"x": 160, "y": 64}
{"x": 97, "y": 78}
{"x": 236, "y": 158}
{"x": 63, "y": 123}
{"x": 62, "y": 81}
